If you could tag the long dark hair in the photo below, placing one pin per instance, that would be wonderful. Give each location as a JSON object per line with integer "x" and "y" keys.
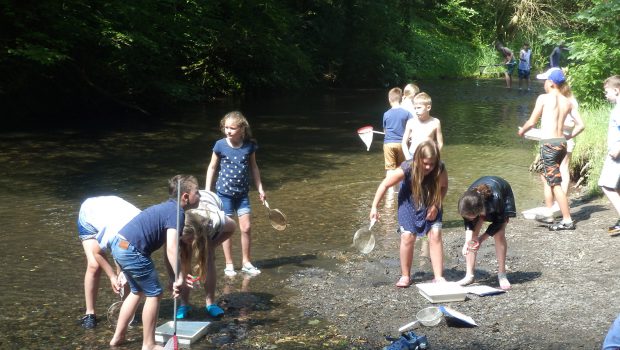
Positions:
{"x": 472, "y": 201}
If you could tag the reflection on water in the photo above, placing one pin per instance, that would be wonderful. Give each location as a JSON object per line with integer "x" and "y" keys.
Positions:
{"x": 314, "y": 168}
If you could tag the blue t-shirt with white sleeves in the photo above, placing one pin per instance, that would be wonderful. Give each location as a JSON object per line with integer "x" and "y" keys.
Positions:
{"x": 233, "y": 179}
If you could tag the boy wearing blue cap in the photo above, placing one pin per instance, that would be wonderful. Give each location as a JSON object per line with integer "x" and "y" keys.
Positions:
{"x": 551, "y": 108}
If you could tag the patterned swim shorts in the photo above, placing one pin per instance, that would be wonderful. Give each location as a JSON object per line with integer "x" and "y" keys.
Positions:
{"x": 552, "y": 152}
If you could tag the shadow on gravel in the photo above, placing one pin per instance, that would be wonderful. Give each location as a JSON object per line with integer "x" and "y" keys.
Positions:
{"x": 518, "y": 277}
{"x": 586, "y": 211}
{"x": 490, "y": 278}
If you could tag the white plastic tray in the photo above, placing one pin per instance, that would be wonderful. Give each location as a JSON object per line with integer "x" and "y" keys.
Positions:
{"x": 442, "y": 292}
{"x": 187, "y": 331}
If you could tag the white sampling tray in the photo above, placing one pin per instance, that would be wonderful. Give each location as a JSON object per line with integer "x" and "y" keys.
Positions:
{"x": 539, "y": 212}
{"x": 188, "y": 332}
{"x": 442, "y": 292}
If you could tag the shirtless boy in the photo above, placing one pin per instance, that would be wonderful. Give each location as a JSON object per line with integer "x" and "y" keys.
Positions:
{"x": 421, "y": 128}
{"x": 552, "y": 108}
{"x": 509, "y": 62}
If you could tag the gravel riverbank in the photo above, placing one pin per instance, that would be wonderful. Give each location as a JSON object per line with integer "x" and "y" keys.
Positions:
{"x": 565, "y": 291}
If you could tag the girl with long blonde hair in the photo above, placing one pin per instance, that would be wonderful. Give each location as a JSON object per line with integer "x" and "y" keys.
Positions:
{"x": 424, "y": 184}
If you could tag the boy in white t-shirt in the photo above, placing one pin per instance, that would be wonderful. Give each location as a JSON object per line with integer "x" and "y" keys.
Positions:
{"x": 610, "y": 175}
{"x": 100, "y": 218}
{"x": 524, "y": 65}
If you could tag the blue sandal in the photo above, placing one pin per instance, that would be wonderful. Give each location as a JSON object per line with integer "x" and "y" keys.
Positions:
{"x": 214, "y": 311}
{"x": 183, "y": 311}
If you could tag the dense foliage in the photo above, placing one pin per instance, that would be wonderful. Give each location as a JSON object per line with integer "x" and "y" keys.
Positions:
{"x": 89, "y": 55}
{"x": 79, "y": 54}
{"x": 595, "y": 53}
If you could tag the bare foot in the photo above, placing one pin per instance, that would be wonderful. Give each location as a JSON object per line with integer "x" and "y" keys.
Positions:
{"x": 403, "y": 282}
{"x": 503, "y": 281}
{"x": 116, "y": 341}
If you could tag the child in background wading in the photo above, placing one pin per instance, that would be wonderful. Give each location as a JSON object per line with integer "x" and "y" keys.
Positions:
{"x": 422, "y": 126}
{"x": 235, "y": 156}
{"x": 394, "y": 121}
{"x": 409, "y": 93}
{"x": 424, "y": 185}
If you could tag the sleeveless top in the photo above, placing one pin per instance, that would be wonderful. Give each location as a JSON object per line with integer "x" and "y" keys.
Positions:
{"x": 412, "y": 216}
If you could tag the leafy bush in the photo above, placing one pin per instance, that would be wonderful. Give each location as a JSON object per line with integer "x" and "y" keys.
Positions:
{"x": 590, "y": 147}
{"x": 595, "y": 50}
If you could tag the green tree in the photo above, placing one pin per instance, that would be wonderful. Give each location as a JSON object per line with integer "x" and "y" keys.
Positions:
{"x": 595, "y": 49}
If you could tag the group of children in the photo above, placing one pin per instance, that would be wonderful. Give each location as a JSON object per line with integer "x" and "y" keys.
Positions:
{"x": 423, "y": 176}
{"x": 523, "y": 67}
{"x": 191, "y": 224}
{"x": 415, "y": 163}
{"x": 195, "y": 226}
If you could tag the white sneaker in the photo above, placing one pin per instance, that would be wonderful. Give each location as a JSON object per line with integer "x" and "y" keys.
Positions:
{"x": 250, "y": 270}
{"x": 230, "y": 272}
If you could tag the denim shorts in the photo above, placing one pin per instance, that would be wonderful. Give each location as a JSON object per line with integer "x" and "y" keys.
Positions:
{"x": 139, "y": 269}
{"x": 235, "y": 205}
{"x": 85, "y": 230}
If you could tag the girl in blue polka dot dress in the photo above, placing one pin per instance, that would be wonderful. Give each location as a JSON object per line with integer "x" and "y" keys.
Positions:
{"x": 423, "y": 185}
{"x": 235, "y": 157}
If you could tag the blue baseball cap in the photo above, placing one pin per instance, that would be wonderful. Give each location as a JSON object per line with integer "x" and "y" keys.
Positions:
{"x": 554, "y": 74}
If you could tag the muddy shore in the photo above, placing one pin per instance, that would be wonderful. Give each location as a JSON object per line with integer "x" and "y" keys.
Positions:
{"x": 564, "y": 292}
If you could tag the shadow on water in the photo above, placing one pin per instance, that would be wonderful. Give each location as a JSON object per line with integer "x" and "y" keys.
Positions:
{"x": 313, "y": 166}
{"x": 297, "y": 261}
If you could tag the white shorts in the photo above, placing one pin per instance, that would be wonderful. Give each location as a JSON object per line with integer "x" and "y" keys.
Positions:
{"x": 610, "y": 175}
{"x": 570, "y": 146}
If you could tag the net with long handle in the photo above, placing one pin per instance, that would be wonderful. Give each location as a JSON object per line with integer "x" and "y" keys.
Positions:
{"x": 364, "y": 239}
{"x": 276, "y": 218}
{"x": 366, "y": 135}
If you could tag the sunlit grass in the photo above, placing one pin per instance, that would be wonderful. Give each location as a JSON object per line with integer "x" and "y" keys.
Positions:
{"x": 591, "y": 146}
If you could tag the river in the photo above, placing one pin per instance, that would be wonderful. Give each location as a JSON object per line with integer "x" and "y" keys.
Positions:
{"x": 314, "y": 168}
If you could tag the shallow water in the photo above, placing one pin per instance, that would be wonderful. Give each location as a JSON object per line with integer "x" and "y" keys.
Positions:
{"x": 314, "y": 168}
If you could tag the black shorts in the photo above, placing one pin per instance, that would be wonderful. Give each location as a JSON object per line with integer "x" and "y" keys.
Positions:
{"x": 494, "y": 227}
